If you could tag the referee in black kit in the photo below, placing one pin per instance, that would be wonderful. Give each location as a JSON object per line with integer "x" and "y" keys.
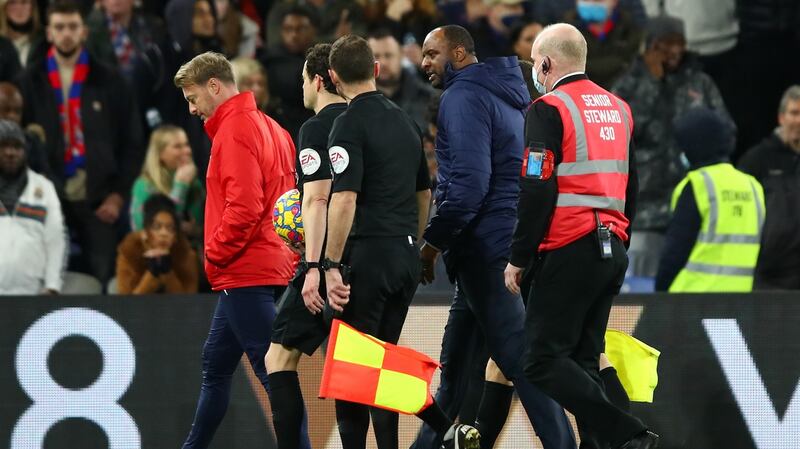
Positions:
{"x": 378, "y": 208}
{"x": 299, "y": 326}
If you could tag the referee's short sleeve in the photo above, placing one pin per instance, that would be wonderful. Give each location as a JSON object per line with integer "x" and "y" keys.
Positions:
{"x": 313, "y": 163}
{"x": 345, "y": 146}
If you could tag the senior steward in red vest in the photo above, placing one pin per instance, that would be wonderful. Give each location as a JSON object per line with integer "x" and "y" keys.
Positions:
{"x": 578, "y": 188}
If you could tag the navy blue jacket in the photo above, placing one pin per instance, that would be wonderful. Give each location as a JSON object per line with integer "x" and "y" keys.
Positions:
{"x": 479, "y": 148}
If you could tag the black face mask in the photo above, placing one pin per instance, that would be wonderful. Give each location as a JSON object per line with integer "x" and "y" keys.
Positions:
{"x": 24, "y": 28}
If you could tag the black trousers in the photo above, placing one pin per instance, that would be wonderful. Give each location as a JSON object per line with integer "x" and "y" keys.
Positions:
{"x": 567, "y": 313}
{"x": 384, "y": 277}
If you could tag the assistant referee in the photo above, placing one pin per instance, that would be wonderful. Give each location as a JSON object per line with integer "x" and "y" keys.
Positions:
{"x": 377, "y": 210}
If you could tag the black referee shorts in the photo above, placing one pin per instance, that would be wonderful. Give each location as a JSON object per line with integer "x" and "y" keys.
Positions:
{"x": 294, "y": 326}
{"x": 385, "y": 272}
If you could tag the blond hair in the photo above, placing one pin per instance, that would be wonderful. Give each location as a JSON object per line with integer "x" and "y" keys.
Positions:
{"x": 152, "y": 170}
{"x": 244, "y": 67}
{"x": 202, "y": 68}
{"x": 34, "y": 18}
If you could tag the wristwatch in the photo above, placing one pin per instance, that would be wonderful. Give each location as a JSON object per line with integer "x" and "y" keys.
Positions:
{"x": 327, "y": 264}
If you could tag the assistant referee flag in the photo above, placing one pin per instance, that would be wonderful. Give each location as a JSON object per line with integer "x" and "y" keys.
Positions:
{"x": 360, "y": 368}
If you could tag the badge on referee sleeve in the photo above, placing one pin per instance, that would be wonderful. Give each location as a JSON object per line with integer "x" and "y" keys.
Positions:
{"x": 537, "y": 162}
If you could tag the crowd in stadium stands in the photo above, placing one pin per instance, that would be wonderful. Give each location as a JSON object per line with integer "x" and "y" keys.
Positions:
{"x": 85, "y": 85}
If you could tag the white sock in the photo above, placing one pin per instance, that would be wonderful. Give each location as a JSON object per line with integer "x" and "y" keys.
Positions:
{"x": 451, "y": 433}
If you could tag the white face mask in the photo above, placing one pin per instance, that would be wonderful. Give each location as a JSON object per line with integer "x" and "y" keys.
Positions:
{"x": 541, "y": 88}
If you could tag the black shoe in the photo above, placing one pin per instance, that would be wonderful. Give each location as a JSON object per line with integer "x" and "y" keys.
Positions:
{"x": 645, "y": 440}
{"x": 462, "y": 436}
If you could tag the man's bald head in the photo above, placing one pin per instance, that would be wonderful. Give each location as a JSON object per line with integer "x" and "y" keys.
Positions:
{"x": 564, "y": 45}
{"x": 10, "y": 103}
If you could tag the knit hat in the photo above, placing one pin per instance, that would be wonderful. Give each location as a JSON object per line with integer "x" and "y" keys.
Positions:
{"x": 705, "y": 136}
{"x": 663, "y": 26}
{"x": 10, "y": 132}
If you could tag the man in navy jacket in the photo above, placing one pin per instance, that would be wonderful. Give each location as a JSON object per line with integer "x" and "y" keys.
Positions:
{"x": 479, "y": 148}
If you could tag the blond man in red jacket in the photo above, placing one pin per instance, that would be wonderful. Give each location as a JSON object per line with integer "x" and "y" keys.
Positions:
{"x": 251, "y": 165}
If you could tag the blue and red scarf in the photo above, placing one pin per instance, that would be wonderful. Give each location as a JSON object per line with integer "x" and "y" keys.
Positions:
{"x": 69, "y": 111}
{"x": 123, "y": 46}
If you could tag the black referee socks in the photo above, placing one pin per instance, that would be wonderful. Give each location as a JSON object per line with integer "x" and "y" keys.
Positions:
{"x": 434, "y": 416}
{"x": 287, "y": 408}
{"x": 493, "y": 412}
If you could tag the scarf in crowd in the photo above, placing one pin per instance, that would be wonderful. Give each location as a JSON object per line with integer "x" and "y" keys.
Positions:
{"x": 123, "y": 46}
{"x": 69, "y": 110}
{"x": 606, "y": 27}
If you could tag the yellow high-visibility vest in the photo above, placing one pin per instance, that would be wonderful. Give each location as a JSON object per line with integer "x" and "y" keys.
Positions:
{"x": 731, "y": 206}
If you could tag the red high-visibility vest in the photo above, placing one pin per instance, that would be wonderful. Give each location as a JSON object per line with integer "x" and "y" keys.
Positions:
{"x": 593, "y": 173}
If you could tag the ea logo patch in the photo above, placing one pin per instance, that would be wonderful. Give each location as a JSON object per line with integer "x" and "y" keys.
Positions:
{"x": 309, "y": 161}
{"x": 339, "y": 159}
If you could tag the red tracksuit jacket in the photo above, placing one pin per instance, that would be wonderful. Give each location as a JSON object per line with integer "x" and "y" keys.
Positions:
{"x": 251, "y": 165}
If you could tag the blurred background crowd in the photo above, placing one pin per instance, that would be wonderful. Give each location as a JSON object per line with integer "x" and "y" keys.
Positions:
{"x": 102, "y": 168}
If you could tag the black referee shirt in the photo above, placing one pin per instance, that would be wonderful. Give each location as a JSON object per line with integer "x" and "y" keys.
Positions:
{"x": 312, "y": 159}
{"x": 375, "y": 150}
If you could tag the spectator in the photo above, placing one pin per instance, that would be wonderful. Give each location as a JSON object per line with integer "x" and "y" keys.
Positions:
{"x": 239, "y": 34}
{"x": 169, "y": 170}
{"x": 336, "y": 19}
{"x": 251, "y": 77}
{"x": 192, "y": 30}
{"x": 157, "y": 259}
{"x": 284, "y": 65}
{"x": 713, "y": 239}
{"x": 11, "y": 109}
{"x": 661, "y": 86}
{"x": 775, "y": 163}
{"x": 612, "y": 35}
{"x": 409, "y": 20}
{"x": 9, "y": 60}
{"x": 522, "y": 36}
{"x": 398, "y": 84}
{"x": 95, "y": 153}
{"x": 492, "y": 33}
{"x": 20, "y": 23}
{"x": 119, "y": 36}
{"x": 33, "y": 243}
{"x": 192, "y": 26}
{"x": 765, "y": 26}
{"x": 549, "y": 11}
{"x": 712, "y": 28}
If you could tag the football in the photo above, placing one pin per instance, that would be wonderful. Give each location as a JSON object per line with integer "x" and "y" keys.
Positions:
{"x": 286, "y": 217}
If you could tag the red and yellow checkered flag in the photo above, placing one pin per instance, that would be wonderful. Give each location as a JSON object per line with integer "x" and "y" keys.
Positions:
{"x": 360, "y": 368}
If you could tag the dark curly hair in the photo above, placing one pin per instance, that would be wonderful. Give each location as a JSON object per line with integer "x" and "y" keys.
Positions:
{"x": 160, "y": 203}
{"x": 317, "y": 64}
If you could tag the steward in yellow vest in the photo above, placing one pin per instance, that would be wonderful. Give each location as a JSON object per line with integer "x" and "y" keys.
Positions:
{"x": 713, "y": 240}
